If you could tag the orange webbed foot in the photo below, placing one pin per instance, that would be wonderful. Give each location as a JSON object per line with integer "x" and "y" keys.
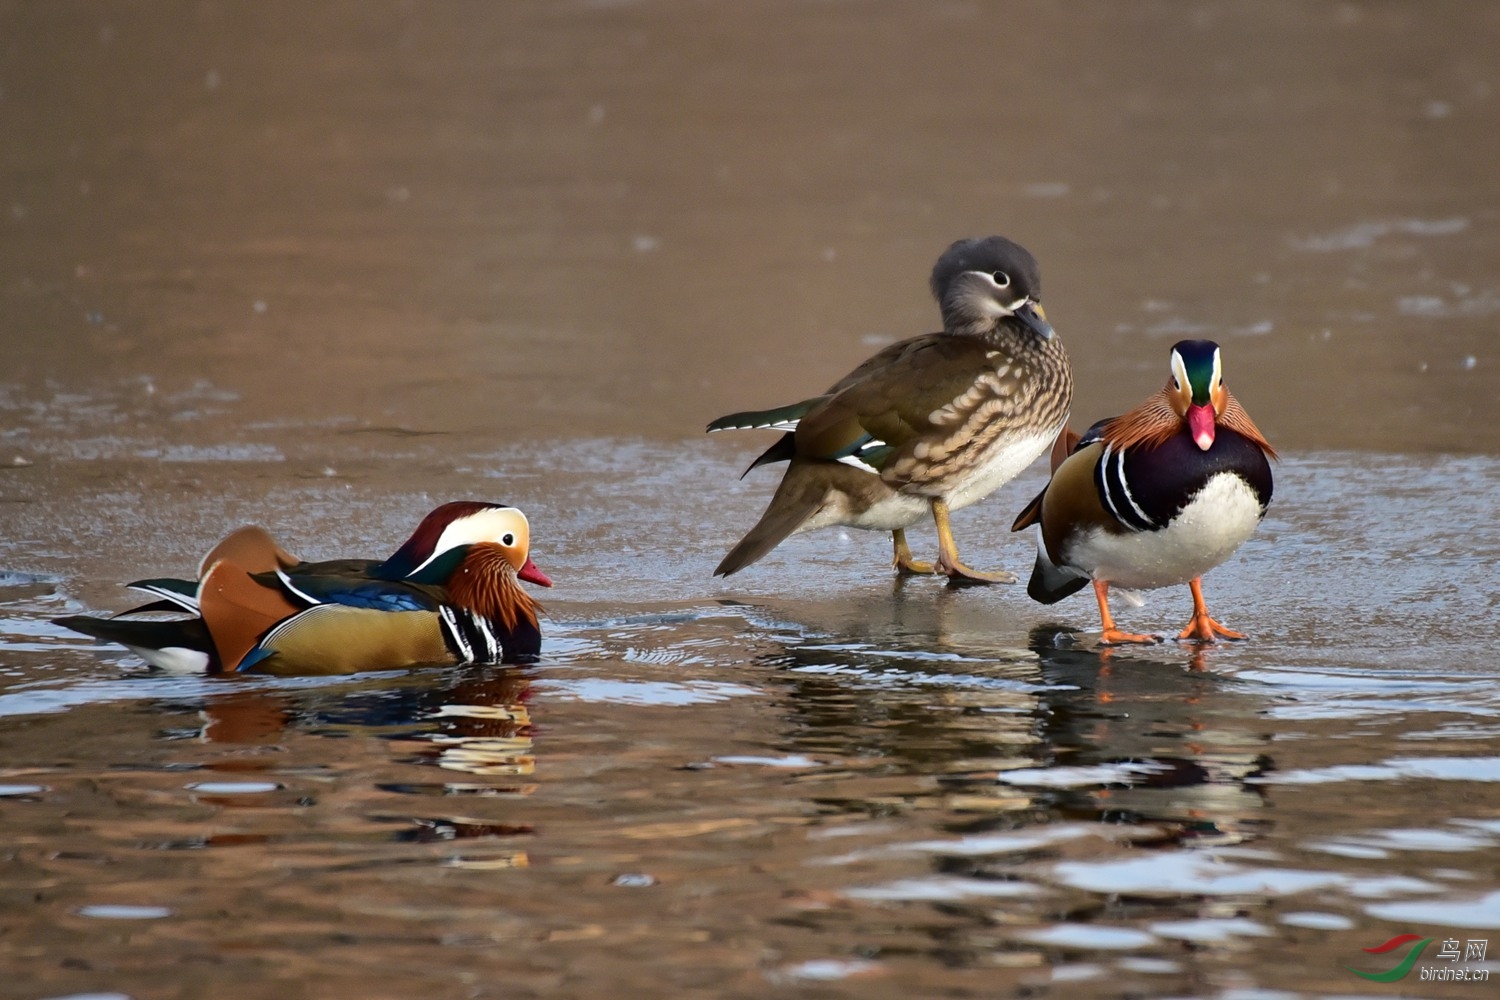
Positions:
{"x": 959, "y": 574}
{"x": 1201, "y": 626}
{"x": 1205, "y": 629}
{"x": 949, "y": 565}
{"x": 902, "y": 561}
{"x": 912, "y": 567}
{"x": 1115, "y": 637}
{"x": 1112, "y": 636}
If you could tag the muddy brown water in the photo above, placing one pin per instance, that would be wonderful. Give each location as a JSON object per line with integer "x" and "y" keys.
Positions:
{"x": 324, "y": 266}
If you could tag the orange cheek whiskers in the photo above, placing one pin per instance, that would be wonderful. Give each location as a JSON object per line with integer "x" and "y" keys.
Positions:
{"x": 485, "y": 583}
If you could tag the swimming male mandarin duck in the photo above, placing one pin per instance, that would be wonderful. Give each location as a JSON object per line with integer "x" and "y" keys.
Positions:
{"x": 1156, "y": 497}
{"x": 926, "y": 426}
{"x": 449, "y": 595}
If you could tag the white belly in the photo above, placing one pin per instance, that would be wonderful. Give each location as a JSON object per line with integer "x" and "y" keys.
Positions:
{"x": 173, "y": 659}
{"x": 899, "y": 510}
{"x": 1215, "y": 522}
{"x": 1001, "y": 466}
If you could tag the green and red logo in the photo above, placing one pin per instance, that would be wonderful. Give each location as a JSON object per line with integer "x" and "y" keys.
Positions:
{"x": 1404, "y": 966}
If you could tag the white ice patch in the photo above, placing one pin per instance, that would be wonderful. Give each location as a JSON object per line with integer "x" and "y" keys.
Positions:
{"x": 1429, "y": 768}
{"x": 1481, "y": 912}
{"x": 1081, "y": 777}
{"x": 663, "y": 693}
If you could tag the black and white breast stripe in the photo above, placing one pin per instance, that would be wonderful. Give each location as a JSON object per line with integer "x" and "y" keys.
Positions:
{"x": 1146, "y": 488}
{"x": 469, "y": 636}
{"x": 1114, "y": 491}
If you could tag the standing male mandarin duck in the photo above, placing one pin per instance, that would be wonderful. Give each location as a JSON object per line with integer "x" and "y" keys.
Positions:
{"x": 449, "y": 594}
{"x": 929, "y": 424}
{"x": 1156, "y": 497}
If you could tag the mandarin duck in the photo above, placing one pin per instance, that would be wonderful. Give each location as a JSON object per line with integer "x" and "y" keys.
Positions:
{"x": 1154, "y": 498}
{"x": 926, "y": 426}
{"x": 449, "y": 595}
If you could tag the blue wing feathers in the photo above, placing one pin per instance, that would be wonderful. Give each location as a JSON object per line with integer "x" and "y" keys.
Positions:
{"x": 377, "y": 597}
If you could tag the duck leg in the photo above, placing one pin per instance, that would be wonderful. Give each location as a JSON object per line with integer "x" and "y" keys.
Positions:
{"x": 1202, "y": 627}
{"x": 1113, "y": 636}
{"x": 903, "y": 562}
{"x": 948, "y": 562}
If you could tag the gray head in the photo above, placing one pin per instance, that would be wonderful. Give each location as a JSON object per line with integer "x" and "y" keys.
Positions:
{"x": 981, "y": 283}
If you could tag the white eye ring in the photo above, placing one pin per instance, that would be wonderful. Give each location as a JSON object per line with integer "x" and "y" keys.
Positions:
{"x": 1176, "y": 384}
{"x": 1000, "y": 278}
{"x": 507, "y": 539}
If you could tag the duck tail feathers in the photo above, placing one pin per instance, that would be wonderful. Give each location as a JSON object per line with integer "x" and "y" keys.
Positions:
{"x": 178, "y": 646}
{"x": 780, "y": 521}
{"x": 171, "y": 594}
{"x": 781, "y": 418}
{"x": 783, "y": 450}
{"x": 1049, "y": 582}
{"x": 1032, "y": 514}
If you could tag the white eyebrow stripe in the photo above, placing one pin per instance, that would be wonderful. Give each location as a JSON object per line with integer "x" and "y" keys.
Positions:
{"x": 1179, "y": 371}
{"x": 471, "y": 530}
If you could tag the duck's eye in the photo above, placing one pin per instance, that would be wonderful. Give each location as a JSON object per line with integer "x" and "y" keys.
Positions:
{"x": 1176, "y": 385}
{"x": 1001, "y": 279}
{"x": 507, "y": 539}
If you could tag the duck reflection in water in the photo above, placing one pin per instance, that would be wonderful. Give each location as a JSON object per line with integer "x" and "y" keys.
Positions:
{"x": 1053, "y": 733}
{"x": 1173, "y": 743}
{"x": 473, "y": 720}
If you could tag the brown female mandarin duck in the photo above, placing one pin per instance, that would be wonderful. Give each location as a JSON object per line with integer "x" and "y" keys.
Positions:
{"x": 1156, "y": 497}
{"x": 929, "y": 424}
{"x": 450, "y": 594}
